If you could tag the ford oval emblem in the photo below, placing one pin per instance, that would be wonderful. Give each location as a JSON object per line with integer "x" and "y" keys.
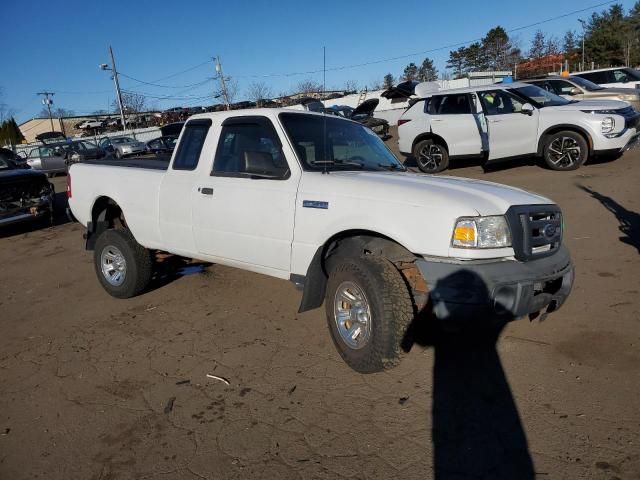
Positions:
{"x": 549, "y": 230}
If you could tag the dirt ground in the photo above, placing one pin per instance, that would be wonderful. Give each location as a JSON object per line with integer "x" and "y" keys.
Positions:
{"x": 97, "y": 388}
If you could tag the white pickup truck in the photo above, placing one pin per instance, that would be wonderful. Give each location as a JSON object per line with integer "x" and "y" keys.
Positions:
{"x": 321, "y": 201}
{"x": 511, "y": 120}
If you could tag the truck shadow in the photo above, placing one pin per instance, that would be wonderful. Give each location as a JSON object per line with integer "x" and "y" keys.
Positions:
{"x": 629, "y": 221}
{"x": 169, "y": 268}
{"x": 476, "y": 428}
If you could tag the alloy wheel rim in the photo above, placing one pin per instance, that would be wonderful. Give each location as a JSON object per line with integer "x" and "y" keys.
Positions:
{"x": 352, "y": 315}
{"x": 430, "y": 157}
{"x": 564, "y": 152}
{"x": 113, "y": 265}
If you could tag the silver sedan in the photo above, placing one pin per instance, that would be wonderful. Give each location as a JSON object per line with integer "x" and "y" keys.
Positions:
{"x": 122, "y": 146}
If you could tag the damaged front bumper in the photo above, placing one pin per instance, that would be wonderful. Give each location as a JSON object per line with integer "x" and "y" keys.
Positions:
{"x": 505, "y": 290}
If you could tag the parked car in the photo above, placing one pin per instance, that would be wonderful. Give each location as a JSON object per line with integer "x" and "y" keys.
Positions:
{"x": 25, "y": 194}
{"x": 510, "y": 120}
{"x": 248, "y": 189}
{"x": 91, "y": 125}
{"x": 577, "y": 88}
{"x": 162, "y": 145}
{"x": 121, "y": 146}
{"x": 82, "y": 150}
{"x": 49, "y": 159}
{"x": 363, "y": 114}
{"x": 18, "y": 159}
{"x": 618, "y": 77}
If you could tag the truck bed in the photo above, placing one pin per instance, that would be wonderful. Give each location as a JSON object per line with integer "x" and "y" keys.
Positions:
{"x": 151, "y": 163}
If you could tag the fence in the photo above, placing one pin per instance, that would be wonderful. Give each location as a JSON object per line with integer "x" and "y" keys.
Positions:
{"x": 141, "y": 134}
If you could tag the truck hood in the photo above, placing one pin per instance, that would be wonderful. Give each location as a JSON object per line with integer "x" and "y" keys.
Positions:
{"x": 466, "y": 196}
{"x": 591, "y": 105}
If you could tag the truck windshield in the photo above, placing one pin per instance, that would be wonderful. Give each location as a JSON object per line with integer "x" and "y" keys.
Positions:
{"x": 540, "y": 97}
{"x": 325, "y": 143}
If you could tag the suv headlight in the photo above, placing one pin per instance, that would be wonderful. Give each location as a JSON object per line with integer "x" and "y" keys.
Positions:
{"x": 608, "y": 124}
{"x": 481, "y": 232}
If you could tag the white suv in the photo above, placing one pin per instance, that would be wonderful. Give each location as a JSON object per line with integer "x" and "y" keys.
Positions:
{"x": 619, "y": 77}
{"x": 511, "y": 120}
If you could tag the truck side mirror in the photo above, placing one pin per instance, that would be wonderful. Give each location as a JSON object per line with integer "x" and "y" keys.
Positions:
{"x": 527, "y": 109}
{"x": 575, "y": 91}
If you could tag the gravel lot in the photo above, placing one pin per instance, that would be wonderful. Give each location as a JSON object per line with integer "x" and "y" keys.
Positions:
{"x": 98, "y": 388}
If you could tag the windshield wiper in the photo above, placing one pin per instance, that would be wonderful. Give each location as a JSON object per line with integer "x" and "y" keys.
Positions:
{"x": 392, "y": 166}
{"x": 338, "y": 162}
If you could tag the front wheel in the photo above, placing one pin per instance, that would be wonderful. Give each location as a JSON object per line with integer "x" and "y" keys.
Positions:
{"x": 123, "y": 266}
{"x": 432, "y": 157}
{"x": 368, "y": 310}
{"x": 118, "y": 154}
{"x": 565, "y": 150}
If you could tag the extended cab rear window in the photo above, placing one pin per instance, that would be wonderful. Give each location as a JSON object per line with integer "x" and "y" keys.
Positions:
{"x": 191, "y": 143}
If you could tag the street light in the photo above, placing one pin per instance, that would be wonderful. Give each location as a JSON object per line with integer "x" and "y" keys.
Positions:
{"x": 582, "y": 22}
{"x": 112, "y": 68}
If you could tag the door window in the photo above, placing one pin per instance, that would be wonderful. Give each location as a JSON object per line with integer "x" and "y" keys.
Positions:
{"x": 622, "y": 77}
{"x": 250, "y": 149}
{"x": 561, "y": 87}
{"x": 190, "y": 146}
{"x": 499, "y": 102}
{"x": 449, "y": 105}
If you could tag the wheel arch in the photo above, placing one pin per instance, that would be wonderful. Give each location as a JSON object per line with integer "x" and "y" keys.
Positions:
{"x": 562, "y": 128}
{"x": 348, "y": 243}
{"x": 104, "y": 213}
{"x": 429, "y": 136}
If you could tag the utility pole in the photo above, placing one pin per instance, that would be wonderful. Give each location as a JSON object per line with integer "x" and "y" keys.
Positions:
{"x": 582, "y": 22}
{"x": 104, "y": 66}
{"x": 223, "y": 85}
{"x": 48, "y": 102}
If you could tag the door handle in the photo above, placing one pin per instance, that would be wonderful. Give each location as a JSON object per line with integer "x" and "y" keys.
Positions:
{"x": 437, "y": 120}
{"x": 206, "y": 190}
{"x": 495, "y": 121}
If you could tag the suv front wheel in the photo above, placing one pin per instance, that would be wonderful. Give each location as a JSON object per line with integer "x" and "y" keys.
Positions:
{"x": 431, "y": 156}
{"x": 565, "y": 150}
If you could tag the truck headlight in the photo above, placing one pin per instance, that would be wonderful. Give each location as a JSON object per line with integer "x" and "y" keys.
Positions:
{"x": 481, "y": 232}
{"x": 608, "y": 124}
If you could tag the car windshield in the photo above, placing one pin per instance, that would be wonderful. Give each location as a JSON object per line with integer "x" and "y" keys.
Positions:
{"x": 540, "y": 97}
{"x": 326, "y": 143}
{"x": 122, "y": 140}
{"x": 170, "y": 141}
{"x": 84, "y": 145}
{"x": 586, "y": 84}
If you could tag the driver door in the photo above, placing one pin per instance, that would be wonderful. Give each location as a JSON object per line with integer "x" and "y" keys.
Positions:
{"x": 511, "y": 133}
{"x": 52, "y": 159}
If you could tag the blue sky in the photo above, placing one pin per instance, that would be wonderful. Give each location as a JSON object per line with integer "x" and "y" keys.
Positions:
{"x": 58, "y": 47}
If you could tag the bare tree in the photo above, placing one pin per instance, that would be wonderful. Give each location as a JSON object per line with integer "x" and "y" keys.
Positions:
{"x": 58, "y": 113}
{"x": 5, "y": 111}
{"x": 309, "y": 86}
{"x": 351, "y": 86}
{"x": 376, "y": 85}
{"x": 259, "y": 91}
{"x": 131, "y": 103}
{"x": 233, "y": 88}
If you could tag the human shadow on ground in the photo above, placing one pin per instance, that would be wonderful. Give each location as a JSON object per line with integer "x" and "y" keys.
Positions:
{"x": 476, "y": 429}
{"x": 629, "y": 221}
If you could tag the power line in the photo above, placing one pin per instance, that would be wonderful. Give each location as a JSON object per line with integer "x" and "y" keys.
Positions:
{"x": 414, "y": 54}
{"x": 160, "y": 86}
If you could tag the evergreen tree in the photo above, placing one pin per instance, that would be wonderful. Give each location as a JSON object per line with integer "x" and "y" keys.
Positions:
{"x": 388, "y": 81}
{"x": 427, "y": 72}
{"x": 538, "y": 46}
{"x": 571, "y": 43}
{"x": 410, "y": 72}
{"x": 456, "y": 61}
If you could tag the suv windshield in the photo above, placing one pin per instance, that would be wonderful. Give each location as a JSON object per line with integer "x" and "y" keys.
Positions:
{"x": 325, "y": 142}
{"x": 122, "y": 140}
{"x": 586, "y": 84}
{"x": 540, "y": 97}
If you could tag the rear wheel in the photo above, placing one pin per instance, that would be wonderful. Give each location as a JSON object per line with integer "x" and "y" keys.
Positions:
{"x": 565, "y": 150}
{"x": 123, "y": 266}
{"x": 368, "y": 310}
{"x": 431, "y": 156}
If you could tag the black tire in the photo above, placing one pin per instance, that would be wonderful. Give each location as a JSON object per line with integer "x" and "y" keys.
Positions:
{"x": 138, "y": 263}
{"x": 118, "y": 154}
{"x": 390, "y": 307}
{"x": 565, "y": 150}
{"x": 431, "y": 156}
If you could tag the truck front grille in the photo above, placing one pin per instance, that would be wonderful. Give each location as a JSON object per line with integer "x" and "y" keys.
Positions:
{"x": 536, "y": 230}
